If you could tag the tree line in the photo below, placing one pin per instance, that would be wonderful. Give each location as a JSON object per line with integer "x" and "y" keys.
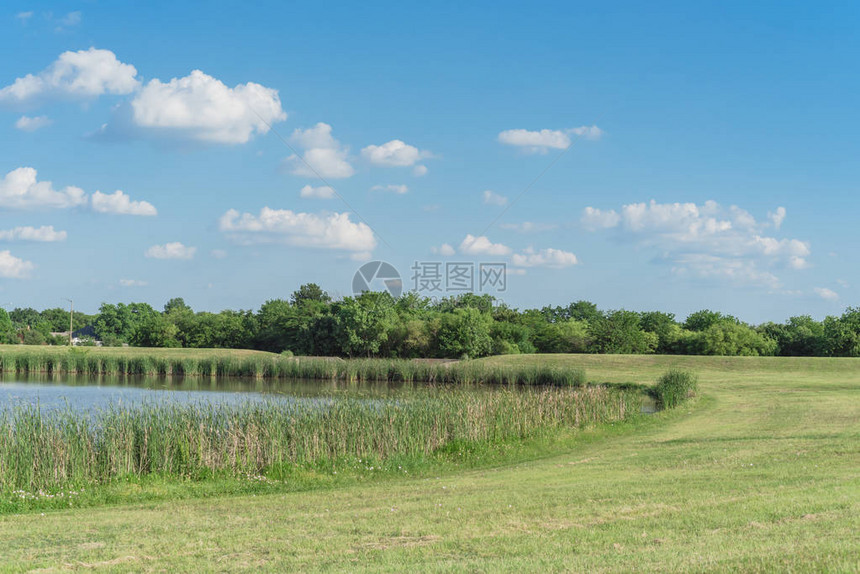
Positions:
{"x": 375, "y": 324}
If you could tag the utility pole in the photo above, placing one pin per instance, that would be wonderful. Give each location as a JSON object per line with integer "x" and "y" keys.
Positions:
{"x": 71, "y": 319}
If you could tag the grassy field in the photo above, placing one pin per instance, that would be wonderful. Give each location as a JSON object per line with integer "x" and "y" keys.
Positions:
{"x": 760, "y": 473}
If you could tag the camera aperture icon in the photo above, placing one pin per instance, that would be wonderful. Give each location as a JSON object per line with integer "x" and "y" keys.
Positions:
{"x": 377, "y": 276}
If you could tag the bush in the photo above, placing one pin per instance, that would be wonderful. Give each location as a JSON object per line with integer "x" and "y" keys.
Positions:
{"x": 675, "y": 386}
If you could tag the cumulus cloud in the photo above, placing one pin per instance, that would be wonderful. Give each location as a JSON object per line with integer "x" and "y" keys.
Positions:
{"x": 324, "y": 156}
{"x": 419, "y": 170}
{"x": 83, "y": 74}
{"x": 826, "y": 294}
{"x": 707, "y": 240}
{"x": 202, "y": 108}
{"x": 445, "y": 250}
{"x": 12, "y": 267}
{"x": 174, "y": 250}
{"x": 132, "y": 283}
{"x": 492, "y": 198}
{"x": 44, "y": 234}
{"x": 28, "y": 124}
{"x": 324, "y": 231}
{"x": 714, "y": 267}
{"x": 118, "y": 202}
{"x": 594, "y": 219}
{"x": 322, "y": 192}
{"x": 395, "y": 153}
{"x": 554, "y": 258}
{"x": 777, "y": 217}
{"x": 20, "y": 189}
{"x": 399, "y": 189}
{"x": 480, "y": 245}
{"x": 543, "y": 140}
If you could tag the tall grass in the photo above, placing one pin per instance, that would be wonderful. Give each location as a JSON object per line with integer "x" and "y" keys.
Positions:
{"x": 140, "y": 362}
{"x": 674, "y": 387}
{"x": 51, "y": 449}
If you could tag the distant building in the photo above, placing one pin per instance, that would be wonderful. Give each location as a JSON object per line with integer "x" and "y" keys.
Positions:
{"x": 88, "y": 332}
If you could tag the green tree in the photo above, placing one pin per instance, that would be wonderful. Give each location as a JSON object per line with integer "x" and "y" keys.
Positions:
{"x": 568, "y": 336}
{"x": 7, "y": 330}
{"x": 309, "y": 293}
{"x": 465, "y": 332}
{"x": 364, "y": 323}
{"x": 620, "y": 332}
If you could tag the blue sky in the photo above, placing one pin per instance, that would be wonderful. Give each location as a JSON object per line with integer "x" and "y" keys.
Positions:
{"x": 669, "y": 156}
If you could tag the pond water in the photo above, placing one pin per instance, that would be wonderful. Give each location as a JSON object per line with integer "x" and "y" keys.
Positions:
{"x": 81, "y": 392}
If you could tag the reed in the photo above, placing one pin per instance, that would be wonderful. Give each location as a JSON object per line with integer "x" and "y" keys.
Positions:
{"x": 64, "y": 448}
{"x": 156, "y": 362}
{"x": 674, "y": 387}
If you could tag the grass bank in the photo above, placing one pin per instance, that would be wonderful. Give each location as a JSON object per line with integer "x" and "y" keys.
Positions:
{"x": 758, "y": 474}
{"x": 256, "y": 364}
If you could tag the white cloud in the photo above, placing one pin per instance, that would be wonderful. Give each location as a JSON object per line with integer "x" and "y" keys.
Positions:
{"x": 20, "y": 189}
{"x": 28, "y": 124}
{"x": 324, "y": 156}
{"x": 24, "y": 16}
{"x": 78, "y": 75}
{"x": 12, "y": 267}
{"x": 482, "y": 246}
{"x": 69, "y": 20}
{"x": 588, "y": 132}
{"x": 399, "y": 189}
{"x": 826, "y": 294}
{"x": 777, "y": 217}
{"x": 544, "y": 140}
{"x": 843, "y": 283}
{"x": 132, "y": 283}
{"x": 492, "y": 198}
{"x": 445, "y": 250}
{"x": 714, "y": 267}
{"x": 174, "y": 250}
{"x": 200, "y": 107}
{"x": 528, "y": 227}
{"x": 706, "y": 240}
{"x": 118, "y": 202}
{"x": 45, "y": 234}
{"x": 594, "y": 219}
{"x": 395, "y": 153}
{"x": 555, "y": 258}
{"x": 321, "y": 192}
{"x": 325, "y": 231}
{"x": 419, "y": 170}
{"x": 218, "y": 254}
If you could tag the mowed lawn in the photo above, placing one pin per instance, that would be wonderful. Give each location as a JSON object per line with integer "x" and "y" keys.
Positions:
{"x": 761, "y": 473}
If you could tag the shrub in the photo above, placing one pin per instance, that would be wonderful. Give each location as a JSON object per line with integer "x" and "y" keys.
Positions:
{"x": 675, "y": 386}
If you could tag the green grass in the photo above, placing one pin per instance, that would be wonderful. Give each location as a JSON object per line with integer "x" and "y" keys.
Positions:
{"x": 759, "y": 473}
